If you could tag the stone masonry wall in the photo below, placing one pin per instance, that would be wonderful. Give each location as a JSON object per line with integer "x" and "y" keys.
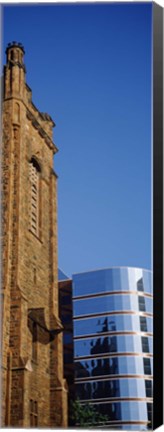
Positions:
{"x": 33, "y": 386}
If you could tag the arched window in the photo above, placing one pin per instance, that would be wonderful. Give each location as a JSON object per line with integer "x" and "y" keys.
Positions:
{"x": 35, "y": 196}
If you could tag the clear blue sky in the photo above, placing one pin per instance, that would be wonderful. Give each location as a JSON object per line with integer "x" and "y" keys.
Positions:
{"x": 89, "y": 67}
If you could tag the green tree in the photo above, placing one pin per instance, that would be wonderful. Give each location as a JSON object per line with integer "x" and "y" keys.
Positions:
{"x": 86, "y": 415}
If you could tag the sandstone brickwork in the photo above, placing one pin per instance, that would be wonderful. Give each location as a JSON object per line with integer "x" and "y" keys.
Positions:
{"x": 34, "y": 392}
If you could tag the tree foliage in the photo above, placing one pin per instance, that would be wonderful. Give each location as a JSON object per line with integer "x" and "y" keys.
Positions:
{"x": 86, "y": 415}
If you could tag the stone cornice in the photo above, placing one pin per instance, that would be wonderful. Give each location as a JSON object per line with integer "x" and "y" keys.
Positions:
{"x": 35, "y": 122}
{"x": 54, "y": 173}
{"x": 39, "y": 316}
{"x": 41, "y": 131}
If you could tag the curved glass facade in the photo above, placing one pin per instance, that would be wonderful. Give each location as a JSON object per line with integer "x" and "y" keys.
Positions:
{"x": 110, "y": 303}
{"x": 112, "y": 310}
{"x": 115, "y": 323}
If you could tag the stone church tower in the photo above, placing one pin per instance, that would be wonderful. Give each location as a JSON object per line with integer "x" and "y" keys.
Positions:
{"x": 34, "y": 392}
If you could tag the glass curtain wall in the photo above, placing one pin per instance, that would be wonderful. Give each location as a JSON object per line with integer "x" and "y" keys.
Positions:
{"x": 112, "y": 316}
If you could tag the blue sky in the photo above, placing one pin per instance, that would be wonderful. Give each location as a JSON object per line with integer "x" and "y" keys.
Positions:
{"x": 89, "y": 67}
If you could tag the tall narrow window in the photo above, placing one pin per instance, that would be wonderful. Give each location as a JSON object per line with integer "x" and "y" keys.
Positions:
{"x": 140, "y": 286}
{"x": 143, "y": 324}
{"x": 147, "y": 366}
{"x": 141, "y": 304}
{"x": 150, "y": 412}
{"x": 35, "y": 279}
{"x": 35, "y": 186}
{"x": 148, "y": 388}
{"x": 145, "y": 344}
{"x": 33, "y": 413}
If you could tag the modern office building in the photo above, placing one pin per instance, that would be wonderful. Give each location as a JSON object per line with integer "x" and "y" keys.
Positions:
{"x": 112, "y": 310}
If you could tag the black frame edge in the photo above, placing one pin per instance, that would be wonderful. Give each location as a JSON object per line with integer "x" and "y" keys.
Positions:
{"x": 158, "y": 213}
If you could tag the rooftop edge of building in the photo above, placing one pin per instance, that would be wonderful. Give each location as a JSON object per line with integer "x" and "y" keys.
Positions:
{"x": 111, "y": 268}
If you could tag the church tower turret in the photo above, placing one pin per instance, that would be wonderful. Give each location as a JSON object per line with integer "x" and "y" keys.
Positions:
{"x": 14, "y": 71}
{"x": 34, "y": 392}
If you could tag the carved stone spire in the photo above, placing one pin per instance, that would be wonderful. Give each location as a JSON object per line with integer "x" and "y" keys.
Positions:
{"x": 14, "y": 71}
